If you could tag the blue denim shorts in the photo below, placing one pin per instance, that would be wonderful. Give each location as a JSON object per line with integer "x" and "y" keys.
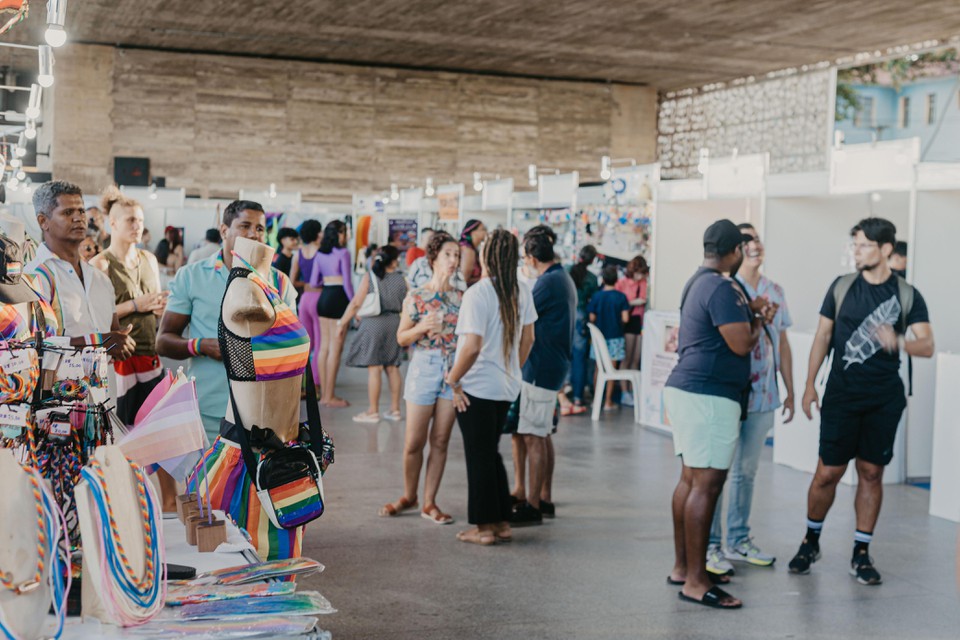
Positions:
{"x": 425, "y": 375}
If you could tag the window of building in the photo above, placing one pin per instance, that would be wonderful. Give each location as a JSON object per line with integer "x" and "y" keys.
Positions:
{"x": 931, "y": 108}
{"x": 904, "y": 115}
{"x": 865, "y": 115}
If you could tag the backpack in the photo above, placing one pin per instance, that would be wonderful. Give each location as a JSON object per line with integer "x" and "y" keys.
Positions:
{"x": 905, "y": 294}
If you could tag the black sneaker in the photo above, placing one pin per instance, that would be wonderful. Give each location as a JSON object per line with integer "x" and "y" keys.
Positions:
{"x": 806, "y": 556}
{"x": 526, "y": 515}
{"x": 548, "y": 509}
{"x": 862, "y": 568}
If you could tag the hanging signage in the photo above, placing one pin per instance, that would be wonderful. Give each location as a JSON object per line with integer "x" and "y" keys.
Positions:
{"x": 410, "y": 200}
{"x": 497, "y": 194}
{"x": 558, "y": 191}
{"x": 661, "y": 334}
{"x": 367, "y": 204}
{"x": 632, "y": 185}
{"x": 449, "y": 201}
{"x": 884, "y": 166}
{"x": 736, "y": 177}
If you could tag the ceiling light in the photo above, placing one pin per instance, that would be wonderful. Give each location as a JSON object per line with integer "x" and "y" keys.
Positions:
{"x": 45, "y": 76}
{"x": 605, "y": 168}
{"x": 16, "y": 162}
{"x": 33, "y": 105}
{"x": 532, "y": 175}
{"x": 429, "y": 189}
{"x": 394, "y": 191}
{"x": 12, "y": 183}
{"x": 153, "y": 190}
{"x": 477, "y": 182}
{"x": 31, "y": 131}
{"x": 272, "y": 192}
{"x": 22, "y": 140}
{"x": 21, "y": 151}
{"x": 21, "y": 175}
{"x": 56, "y": 16}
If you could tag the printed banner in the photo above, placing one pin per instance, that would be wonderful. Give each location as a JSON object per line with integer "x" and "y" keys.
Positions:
{"x": 661, "y": 330}
{"x": 403, "y": 233}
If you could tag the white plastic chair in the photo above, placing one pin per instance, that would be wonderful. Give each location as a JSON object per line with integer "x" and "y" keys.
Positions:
{"x": 606, "y": 373}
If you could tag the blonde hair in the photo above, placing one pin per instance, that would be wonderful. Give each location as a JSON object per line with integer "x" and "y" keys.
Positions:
{"x": 112, "y": 197}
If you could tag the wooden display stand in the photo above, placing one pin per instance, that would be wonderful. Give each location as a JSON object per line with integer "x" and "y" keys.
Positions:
{"x": 182, "y": 502}
{"x": 25, "y": 613}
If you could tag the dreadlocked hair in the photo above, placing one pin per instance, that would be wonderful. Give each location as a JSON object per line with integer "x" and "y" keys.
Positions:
{"x": 501, "y": 254}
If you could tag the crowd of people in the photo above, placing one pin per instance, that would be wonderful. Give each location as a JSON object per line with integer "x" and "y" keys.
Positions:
{"x": 497, "y": 335}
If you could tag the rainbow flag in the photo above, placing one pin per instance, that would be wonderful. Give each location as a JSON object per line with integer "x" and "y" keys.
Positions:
{"x": 171, "y": 433}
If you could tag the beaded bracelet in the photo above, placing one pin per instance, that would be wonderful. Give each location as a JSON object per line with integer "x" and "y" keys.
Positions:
{"x": 95, "y": 339}
{"x": 193, "y": 347}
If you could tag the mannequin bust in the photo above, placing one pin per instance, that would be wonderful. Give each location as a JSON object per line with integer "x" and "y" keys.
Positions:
{"x": 268, "y": 404}
{"x": 25, "y": 614}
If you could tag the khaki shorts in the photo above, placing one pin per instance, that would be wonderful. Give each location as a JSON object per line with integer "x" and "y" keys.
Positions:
{"x": 705, "y": 428}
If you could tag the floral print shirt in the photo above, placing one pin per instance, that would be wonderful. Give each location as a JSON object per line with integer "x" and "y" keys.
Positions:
{"x": 422, "y": 301}
{"x": 764, "y": 392}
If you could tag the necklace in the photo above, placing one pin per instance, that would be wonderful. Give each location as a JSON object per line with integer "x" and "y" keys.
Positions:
{"x": 51, "y": 530}
{"x": 6, "y": 577}
{"x": 132, "y": 599}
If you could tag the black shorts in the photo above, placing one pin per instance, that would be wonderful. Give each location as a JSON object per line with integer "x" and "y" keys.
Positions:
{"x": 859, "y": 427}
{"x": 332, "y": 302}
{"x": 634, "y": 325}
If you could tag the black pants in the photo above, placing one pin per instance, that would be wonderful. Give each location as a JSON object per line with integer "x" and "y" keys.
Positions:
{"x": 488, "y": 492}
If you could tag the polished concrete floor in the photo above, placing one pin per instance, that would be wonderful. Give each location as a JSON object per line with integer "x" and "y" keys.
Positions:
{"x": 598, "y": 570}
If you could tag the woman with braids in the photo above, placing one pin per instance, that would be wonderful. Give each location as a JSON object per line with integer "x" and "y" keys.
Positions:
{"x": 473, "y": 235}
{"x": 495, "y": 335}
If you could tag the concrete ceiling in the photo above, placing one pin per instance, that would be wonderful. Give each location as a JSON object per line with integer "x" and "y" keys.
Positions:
{"x": 664, "y": 44}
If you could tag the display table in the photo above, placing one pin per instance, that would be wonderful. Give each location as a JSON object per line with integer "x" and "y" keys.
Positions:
{"x": 177, "y": 552}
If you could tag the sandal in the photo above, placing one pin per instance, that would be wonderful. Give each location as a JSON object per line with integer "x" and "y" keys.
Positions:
{"x": 393, "y": 416}
{"x": 714, "y": 578}
{"x": 367, "y": 417}
{"x": 475, "y": 536}
{"x": 432, "y": 513}
{"x": 712, "y": 598}
{"x": 390, "y": 510}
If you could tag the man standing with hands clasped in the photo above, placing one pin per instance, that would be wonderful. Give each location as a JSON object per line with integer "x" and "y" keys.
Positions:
{"x": 706, "y": 399}
{"x": 864, "y": 320}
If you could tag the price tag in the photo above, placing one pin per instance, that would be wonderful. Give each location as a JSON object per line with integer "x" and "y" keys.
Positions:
{"x": 14, "y": 415}
{"x": 60, "y": 428}
{"x": 15, "y": 361}
{"x": 71, "y": 367}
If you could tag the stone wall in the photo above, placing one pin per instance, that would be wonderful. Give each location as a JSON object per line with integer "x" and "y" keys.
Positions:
{"x": 790, "y": 117}
{"x": 216, "y": 124}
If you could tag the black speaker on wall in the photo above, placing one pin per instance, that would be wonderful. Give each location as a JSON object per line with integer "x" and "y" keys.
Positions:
{"x": 131, "y": 172}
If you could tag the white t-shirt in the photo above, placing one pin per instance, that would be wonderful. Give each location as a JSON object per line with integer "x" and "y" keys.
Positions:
{"x": 489, "y": 378}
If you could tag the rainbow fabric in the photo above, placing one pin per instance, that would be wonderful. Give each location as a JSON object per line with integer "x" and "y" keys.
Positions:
{"x": 11, "y": 322}
{"x": 232, "y": 491}
{"x": 297, "y": 502}
{"x": 284, "y": 349}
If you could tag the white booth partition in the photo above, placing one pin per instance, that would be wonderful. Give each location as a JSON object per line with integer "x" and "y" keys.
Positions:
{"x": 945, "y": 476}
{"x": 808, "y": 218}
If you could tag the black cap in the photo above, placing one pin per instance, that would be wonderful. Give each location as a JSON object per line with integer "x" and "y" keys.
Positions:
{"x": 722, "y": 237}
{"x": 13, "y": 287}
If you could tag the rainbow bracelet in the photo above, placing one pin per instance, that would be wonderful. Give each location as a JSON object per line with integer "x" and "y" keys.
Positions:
{"x": 193, "y": 347}
{"x": 95, "y": 339}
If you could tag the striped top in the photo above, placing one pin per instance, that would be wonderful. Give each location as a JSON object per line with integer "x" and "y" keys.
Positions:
{"x": 282, "y": 351}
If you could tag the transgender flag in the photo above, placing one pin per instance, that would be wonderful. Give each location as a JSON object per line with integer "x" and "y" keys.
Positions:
{"x": 170, "y": 433}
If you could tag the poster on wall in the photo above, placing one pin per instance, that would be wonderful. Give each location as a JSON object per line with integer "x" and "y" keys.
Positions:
{"x": 367, "y": 204}
{"x": 449, "y": 199}
{"x": 403, "y": 233}
{"x": 661, "y": 331}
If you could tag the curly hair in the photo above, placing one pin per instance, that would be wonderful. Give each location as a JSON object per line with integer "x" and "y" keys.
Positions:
{"x": 45, "y": 197}
{"x": 435, "y": 246}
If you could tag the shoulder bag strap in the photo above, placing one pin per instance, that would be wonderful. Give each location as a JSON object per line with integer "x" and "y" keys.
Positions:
{"x": 249, "y": 459}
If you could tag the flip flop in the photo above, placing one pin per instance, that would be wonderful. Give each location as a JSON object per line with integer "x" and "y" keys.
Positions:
{"x": 712, "y": 599}
{"x": 714, "y": 578}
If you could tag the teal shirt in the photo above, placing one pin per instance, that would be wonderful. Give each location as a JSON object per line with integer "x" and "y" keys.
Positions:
{"x": 197, "y": 291}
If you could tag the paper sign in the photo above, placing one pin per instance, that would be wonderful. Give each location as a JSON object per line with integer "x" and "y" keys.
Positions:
{"x": 14, "y": 415}
{"x": 60, "y": 428}
{"x": 71, "y": 367}
{"x": 15, "y": 361}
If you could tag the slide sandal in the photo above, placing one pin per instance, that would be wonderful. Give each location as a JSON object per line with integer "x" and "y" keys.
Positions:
{"x": 714, "y": 578}
{"x": 712, "y": 598}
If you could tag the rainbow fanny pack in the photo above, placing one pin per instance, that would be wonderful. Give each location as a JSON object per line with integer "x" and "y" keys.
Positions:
{"x": 289, "y": 486}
